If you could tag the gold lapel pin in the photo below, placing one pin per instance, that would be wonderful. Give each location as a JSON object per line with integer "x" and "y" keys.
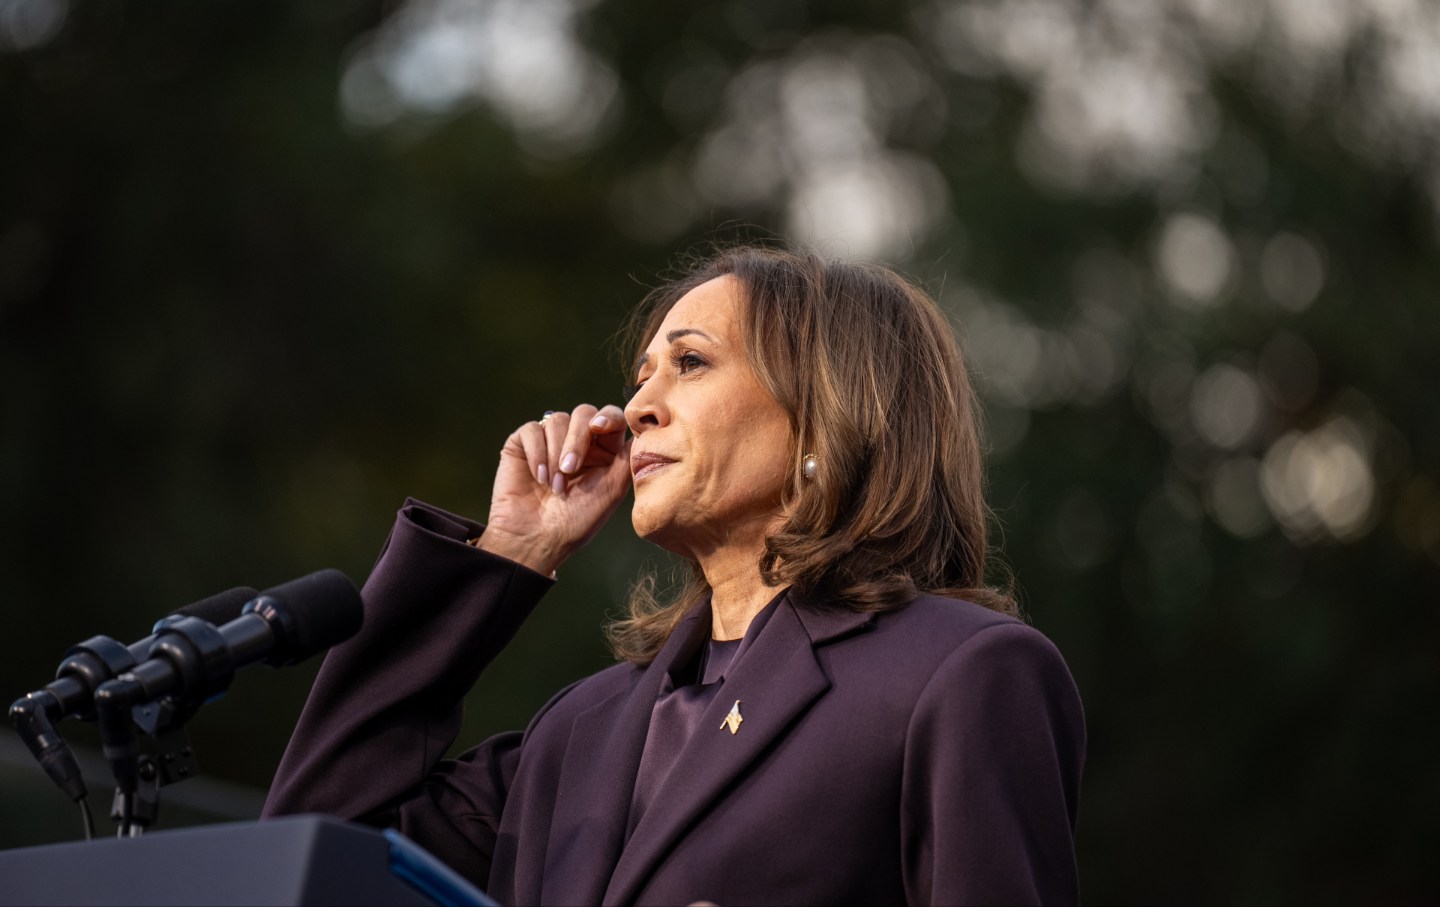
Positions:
{"x": 732, "y": 720}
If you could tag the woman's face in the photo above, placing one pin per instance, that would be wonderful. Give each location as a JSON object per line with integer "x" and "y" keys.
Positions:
{"x": 712, "y": 447}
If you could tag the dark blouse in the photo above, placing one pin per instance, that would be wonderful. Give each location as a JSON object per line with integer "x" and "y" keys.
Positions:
{"x": 685, "y": 694}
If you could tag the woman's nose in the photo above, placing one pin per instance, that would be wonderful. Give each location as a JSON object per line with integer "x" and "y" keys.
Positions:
{"x": 644, "y": 409}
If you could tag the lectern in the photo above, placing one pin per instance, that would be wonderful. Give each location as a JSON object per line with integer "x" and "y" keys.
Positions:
{"x": 297, "y": 860}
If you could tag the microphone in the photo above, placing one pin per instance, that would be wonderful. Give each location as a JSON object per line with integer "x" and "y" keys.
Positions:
{"x": 85, "y": 667}
{"x": 98, "y": 659}
{"x": 192, "y": 661}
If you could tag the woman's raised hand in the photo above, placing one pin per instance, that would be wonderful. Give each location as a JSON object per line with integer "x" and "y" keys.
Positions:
{"x": 558, "y": 481}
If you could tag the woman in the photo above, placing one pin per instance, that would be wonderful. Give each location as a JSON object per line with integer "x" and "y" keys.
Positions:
{"x": 834, "y": 710}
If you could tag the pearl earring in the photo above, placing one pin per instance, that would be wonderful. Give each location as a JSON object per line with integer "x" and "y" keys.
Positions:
{"x": 810, "y": 466}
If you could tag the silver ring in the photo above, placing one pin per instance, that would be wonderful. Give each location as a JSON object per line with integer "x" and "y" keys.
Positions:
{"x": 548, "y": 414}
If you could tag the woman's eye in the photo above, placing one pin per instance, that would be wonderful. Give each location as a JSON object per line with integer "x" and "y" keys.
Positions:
{"x": 686, "y": 361}
{"x": 629, "y": 390}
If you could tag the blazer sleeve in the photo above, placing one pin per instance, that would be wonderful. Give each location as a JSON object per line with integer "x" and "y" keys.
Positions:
{"x": 991, "y": 784}
{"x": 386, "y": 705}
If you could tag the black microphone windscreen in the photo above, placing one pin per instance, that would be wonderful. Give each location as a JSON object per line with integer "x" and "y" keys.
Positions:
{"x": 324, "y": 609}
{"x": 220, "y": 608}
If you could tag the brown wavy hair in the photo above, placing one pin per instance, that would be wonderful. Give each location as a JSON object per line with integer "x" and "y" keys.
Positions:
{"x": 868, "y": 368}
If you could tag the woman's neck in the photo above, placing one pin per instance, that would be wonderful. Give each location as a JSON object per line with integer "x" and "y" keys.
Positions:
{"x": 737, "y": 591}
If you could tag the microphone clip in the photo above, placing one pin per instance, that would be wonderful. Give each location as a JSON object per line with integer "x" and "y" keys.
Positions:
{"x": 165, "y": 758}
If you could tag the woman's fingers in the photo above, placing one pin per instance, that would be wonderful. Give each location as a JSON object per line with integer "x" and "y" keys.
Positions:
{"x": 577, "y": 440}
{"x": 593, "y": 439}
{"x": 531, "y": 437}
{"x": 555, "y": 426}
{"x": 608, "y": 428}
{"x": 560, "y": 445}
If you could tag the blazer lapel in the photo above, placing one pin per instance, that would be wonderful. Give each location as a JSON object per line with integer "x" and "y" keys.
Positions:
{"x": 592, "y": 797}
{"x": 775, "y": 681}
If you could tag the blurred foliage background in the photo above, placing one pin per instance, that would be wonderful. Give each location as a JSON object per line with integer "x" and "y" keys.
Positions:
{"x": 268, "y": 268}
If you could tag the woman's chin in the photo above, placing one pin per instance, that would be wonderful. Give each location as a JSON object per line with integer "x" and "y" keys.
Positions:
{"x": 643, "y": 520}
{"x": 656, "y": 527}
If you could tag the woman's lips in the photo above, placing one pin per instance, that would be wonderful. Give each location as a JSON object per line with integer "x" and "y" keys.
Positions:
{"x": 646, "y": 464}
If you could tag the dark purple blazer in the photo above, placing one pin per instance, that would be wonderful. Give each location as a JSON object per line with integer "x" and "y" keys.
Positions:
{"x": 926, "y": 755}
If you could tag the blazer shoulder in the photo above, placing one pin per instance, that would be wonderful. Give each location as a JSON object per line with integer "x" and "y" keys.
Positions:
{"x": 901, "y": 652}
{"x": 947, "y": 622}
{"x": 933, "y": 628}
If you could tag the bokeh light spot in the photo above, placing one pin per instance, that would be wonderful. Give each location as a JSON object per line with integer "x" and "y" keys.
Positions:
{"x": 1194, "y": 258}
{"x": 1292, "y": 271}
{"x": 1227, "y": 406}
{"x": 1234, "y": 497}
{"x": 1320, "y": 484}
{"x": 28, "y": 24}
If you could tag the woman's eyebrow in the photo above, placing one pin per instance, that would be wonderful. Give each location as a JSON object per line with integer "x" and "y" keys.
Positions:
{"x": 671, "y": 337}
{"x": 681, "y": 332}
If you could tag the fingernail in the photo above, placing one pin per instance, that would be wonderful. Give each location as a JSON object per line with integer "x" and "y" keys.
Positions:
{"x": 600, "y": 422}
{"x": 543, "y": 474}
{"x": 568, "y": 462}
{"x": 558, "y": 483}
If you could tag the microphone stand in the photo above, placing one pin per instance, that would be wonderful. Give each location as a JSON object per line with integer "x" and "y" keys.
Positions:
{"x": 194, "y": 664}
{"x": 165, "y": 758}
